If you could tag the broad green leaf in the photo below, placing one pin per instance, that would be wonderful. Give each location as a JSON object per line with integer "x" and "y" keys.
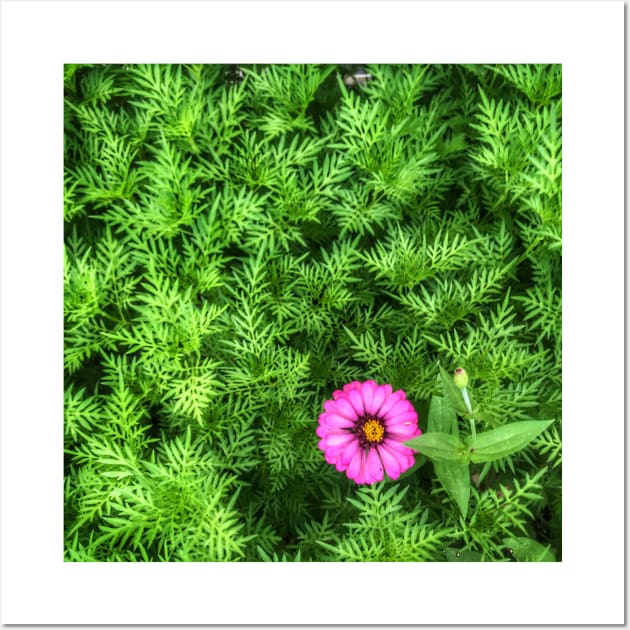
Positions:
{"x": 497, "y": 443}
{"x": 440, "y": 447}
{"x": 442, "y": 416}
{"x": 528, "y": 550}
{"x": 455, "y": 478}
{"x": 459, "y": 555}
{"x": 452, "y": 392}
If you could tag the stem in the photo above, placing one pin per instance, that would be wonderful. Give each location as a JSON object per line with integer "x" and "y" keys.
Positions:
{"x": 466, "y": 399}
{"x": 473, "y": 432}
{"x": 472, "y": 420}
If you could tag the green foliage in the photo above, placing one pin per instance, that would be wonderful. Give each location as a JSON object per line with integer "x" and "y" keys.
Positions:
{"x": 384, "y": 530}
{"x": 242, "y": 241}
{"x": 451, "y": 455}
{"x": 500, "y": 512}
{"x": 528, "y": 550}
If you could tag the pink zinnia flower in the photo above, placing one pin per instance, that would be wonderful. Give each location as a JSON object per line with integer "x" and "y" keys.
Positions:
{"x": 362, "y": 430}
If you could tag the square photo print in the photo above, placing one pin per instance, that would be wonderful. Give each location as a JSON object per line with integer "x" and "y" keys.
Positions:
{"x": 313, "y": 313}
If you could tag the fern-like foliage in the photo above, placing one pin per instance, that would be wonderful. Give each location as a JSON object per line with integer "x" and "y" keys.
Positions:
{"x": 240, "y": 241}
{"x": 385, "y": 530}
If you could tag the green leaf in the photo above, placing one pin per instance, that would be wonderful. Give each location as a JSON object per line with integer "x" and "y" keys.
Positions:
{"x": 459, "y": 555}
{"x": 497, "y": 443}
{"x": 455, "y": 479}
{"x": 527, "y": 550}
{"x": 440, "y": 447}
{"x": 442, "y": 416}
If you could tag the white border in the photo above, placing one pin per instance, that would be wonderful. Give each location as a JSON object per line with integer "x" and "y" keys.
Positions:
{"x": 37, "y": 38}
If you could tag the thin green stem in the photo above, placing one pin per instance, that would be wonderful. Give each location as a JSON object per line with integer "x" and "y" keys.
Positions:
{"x": 473, "y": 431}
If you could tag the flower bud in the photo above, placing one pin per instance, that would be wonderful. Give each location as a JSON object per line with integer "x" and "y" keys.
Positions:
{"x": 460, "y": 378}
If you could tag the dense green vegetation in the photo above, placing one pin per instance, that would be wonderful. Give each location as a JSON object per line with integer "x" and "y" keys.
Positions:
{"x": 242, "y": 241}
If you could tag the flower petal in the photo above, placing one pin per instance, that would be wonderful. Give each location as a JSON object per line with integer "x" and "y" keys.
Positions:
{"x": 381, "y": 393}
{"x": 403, "y": 455}
{"x": 346, "y": 409}
{"x": 335, "y": 420}
{"x": 390, "y": 463}
{"x": 407, "y": 462}
{"x": 333, "y": 453}
{"x": 402, "y": 406}
{"x": 340, "y": 407}
{"x": 403, "y": 418}
{"x": 355, "y": 465}
{"x": 322, "y": 431}
{"x": 334, "y": 439}
{"x": 398, "y": 450}
{"x": 340, "y": 466}
{"x": 368, "y": 389}
{"x": 373, "y": 467}
{"x": 349, "y": 451}
{"x": 356, "y": 401}
{"x": 390, "y": 401}
{"x": 330, "y": 406}
{"x": 405, "y": 431}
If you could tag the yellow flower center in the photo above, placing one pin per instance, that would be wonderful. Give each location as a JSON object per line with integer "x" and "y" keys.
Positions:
{"x": 373, "y": 431}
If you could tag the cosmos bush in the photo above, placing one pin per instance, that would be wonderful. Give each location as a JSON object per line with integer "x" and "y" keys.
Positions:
{"x": 241, "y": 241}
